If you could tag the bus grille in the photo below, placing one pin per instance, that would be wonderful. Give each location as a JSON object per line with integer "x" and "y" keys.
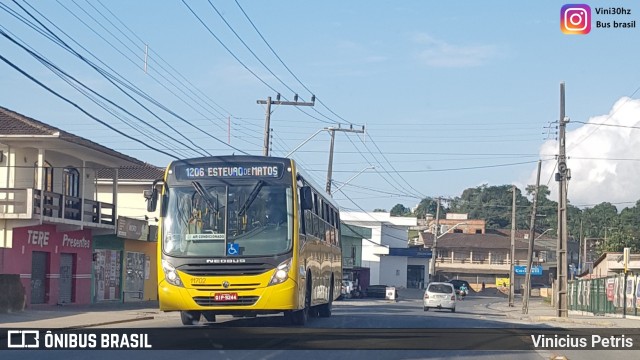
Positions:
{"x": 225, "y": 269}
{"x": 220, "y": 287}
{"x": 209, "y": 301}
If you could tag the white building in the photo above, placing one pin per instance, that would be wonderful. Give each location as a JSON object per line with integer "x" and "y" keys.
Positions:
{"x": 386, "y": 253}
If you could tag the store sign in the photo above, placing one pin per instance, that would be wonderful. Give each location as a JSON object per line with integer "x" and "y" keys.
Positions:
{"x": 38, "y": 237}
{"x": 129, "y": 228}
{"x": 75, "y": 242}
{"x": 46, "y": 238}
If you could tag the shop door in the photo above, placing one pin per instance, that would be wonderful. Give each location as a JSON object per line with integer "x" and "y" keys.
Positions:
{"x": 38, "y": 277}
{"x": 415, "y": 276}
{"x": 134, "y": 278}
{"x": 107, "y": 277}
{"x": 66, "y": 279}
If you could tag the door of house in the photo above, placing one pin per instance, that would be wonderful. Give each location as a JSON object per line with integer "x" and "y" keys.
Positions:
{"x": 66, "y": 279}
{"x": 38, "y": 277}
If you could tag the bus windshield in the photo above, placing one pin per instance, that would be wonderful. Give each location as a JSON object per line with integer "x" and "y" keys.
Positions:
{"x": 222, "y": 219}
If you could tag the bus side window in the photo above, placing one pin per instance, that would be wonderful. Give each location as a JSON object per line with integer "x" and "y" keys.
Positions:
{"x": 321, "y": 233}
{"x": 302, "y": 214}
{"x": 305, "y": 202}
{"x": 337, "y": 230}
{"x": 333, "y": 227}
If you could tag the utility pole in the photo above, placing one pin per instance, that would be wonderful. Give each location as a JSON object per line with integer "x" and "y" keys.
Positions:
{"x": 532, "y": 233}
{"x": 562, "y": 176}
{"x": 333, "y": 130}
{"x": 330, "y": 168}
{"x": 580, "y": 258}
{"x": 267, "y": 122}
{"x": 432, "y": 271}
{"x": 513, "y": 248}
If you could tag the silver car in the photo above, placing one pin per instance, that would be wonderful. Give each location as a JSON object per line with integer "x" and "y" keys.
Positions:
{"x": 440, "y": 295}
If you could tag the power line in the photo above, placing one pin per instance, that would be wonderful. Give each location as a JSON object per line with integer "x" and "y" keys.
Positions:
{"x": 610, "y": 125}
{"x": 447, "y": 169}
{"x": 174, "y": 70}
{"x": 110, "y": 77}
{"x": 609, "y": 117}
{"x": 80, "y": 108}
{"x": 286, "y": 67}
{"x": 65, "y": 46}
{"x": 392, "y": 167}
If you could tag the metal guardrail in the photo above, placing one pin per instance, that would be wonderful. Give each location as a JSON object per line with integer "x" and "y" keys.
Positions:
{"x": 605, "y": 295}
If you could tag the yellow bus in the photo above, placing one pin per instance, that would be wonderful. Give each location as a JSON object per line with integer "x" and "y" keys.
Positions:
{"x": 245, "y": 236}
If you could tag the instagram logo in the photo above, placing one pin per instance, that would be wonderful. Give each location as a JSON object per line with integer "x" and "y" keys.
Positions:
{"x": 575, "y": 19}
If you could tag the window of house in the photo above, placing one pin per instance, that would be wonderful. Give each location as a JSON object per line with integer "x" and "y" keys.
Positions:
{"x": 71, "y": 182}
{"x": 47, "y": 185}
{"x": 47, "y": 173}
{"x": 442, "y": 253}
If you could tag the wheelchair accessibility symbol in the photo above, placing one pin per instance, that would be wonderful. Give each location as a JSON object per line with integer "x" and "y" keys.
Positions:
{"x": 233, "y": 249}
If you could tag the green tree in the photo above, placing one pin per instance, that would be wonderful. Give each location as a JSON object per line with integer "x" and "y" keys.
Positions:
{"x": 494, "y": 205}
{"x": 379, "y": 210}
{"x": 429, "y": 205}
{"x": 600, "y": 220}
{"x": 400, "y": 210}
{"x": 618, "y": 240}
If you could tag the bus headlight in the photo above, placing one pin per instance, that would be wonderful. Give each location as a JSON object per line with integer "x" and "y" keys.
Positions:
{"x": 281, "y": 274}
{"x": 171, "y": 274}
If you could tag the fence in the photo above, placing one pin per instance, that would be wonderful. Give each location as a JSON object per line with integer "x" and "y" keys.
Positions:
{"x": 605, "y": 295}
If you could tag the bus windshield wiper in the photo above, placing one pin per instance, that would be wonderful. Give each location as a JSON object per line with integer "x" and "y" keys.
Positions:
{"x": 252, "y": 196}
{"x": 205, "y": 195}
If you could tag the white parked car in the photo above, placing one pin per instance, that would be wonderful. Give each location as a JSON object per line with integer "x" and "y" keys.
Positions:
{"x": 440, "y": 295}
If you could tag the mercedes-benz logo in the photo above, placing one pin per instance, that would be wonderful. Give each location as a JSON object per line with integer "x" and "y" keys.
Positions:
{"x": 225, "y": 284}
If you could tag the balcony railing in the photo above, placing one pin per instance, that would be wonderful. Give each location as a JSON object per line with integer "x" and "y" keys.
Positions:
{"x": 29, "y": 203}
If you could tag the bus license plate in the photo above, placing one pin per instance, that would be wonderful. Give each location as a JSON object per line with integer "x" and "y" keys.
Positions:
{"x": 225, "y": 297}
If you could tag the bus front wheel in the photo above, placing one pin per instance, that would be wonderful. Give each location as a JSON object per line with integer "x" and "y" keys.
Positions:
{"x": 210, "y": 316}
{"x": 301, "y": 317}
{"x": 190, "y": 317}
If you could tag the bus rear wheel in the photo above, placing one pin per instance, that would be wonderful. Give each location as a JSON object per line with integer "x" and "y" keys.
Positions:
{"x": 190, "y": 317}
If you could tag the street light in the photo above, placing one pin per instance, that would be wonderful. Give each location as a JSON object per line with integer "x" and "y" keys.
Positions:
{"x": 544, "y": 232}
{"x": 306, "y": 141}
{"x": 354, "y": 176}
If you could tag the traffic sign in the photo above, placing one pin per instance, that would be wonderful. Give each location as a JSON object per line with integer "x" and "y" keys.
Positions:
{"x": 536, "y": 270}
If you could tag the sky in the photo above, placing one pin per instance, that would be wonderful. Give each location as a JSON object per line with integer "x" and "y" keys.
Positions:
{"x": 451, "y": 95}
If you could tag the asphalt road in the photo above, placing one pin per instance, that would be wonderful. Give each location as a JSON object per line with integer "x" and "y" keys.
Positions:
{"x": 360, "y": 317}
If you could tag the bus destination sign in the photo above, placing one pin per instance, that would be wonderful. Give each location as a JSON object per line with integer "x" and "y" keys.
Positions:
{"x": 229, "y": 171}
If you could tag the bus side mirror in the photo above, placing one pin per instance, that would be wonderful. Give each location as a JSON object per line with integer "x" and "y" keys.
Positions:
{"x": 152, "y": 199}
{"x": 306, "y": 198}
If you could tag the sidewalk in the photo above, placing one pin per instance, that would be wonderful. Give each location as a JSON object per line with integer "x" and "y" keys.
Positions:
{"x": 542, "y": 312}
{"x": 80, "y": 316}
{"x": 539, "y": 311}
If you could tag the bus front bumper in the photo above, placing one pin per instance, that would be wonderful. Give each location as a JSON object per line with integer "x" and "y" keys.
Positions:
{"x": 269, "y": 299}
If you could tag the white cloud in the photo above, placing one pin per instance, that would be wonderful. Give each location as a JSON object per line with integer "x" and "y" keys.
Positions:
{"x": 439, "y": 53}
{"x": 595, "y": 158}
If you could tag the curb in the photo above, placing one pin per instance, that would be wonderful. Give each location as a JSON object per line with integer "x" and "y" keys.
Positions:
{"x": 572, "y": 321}
{"x": 107, "y": 323}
